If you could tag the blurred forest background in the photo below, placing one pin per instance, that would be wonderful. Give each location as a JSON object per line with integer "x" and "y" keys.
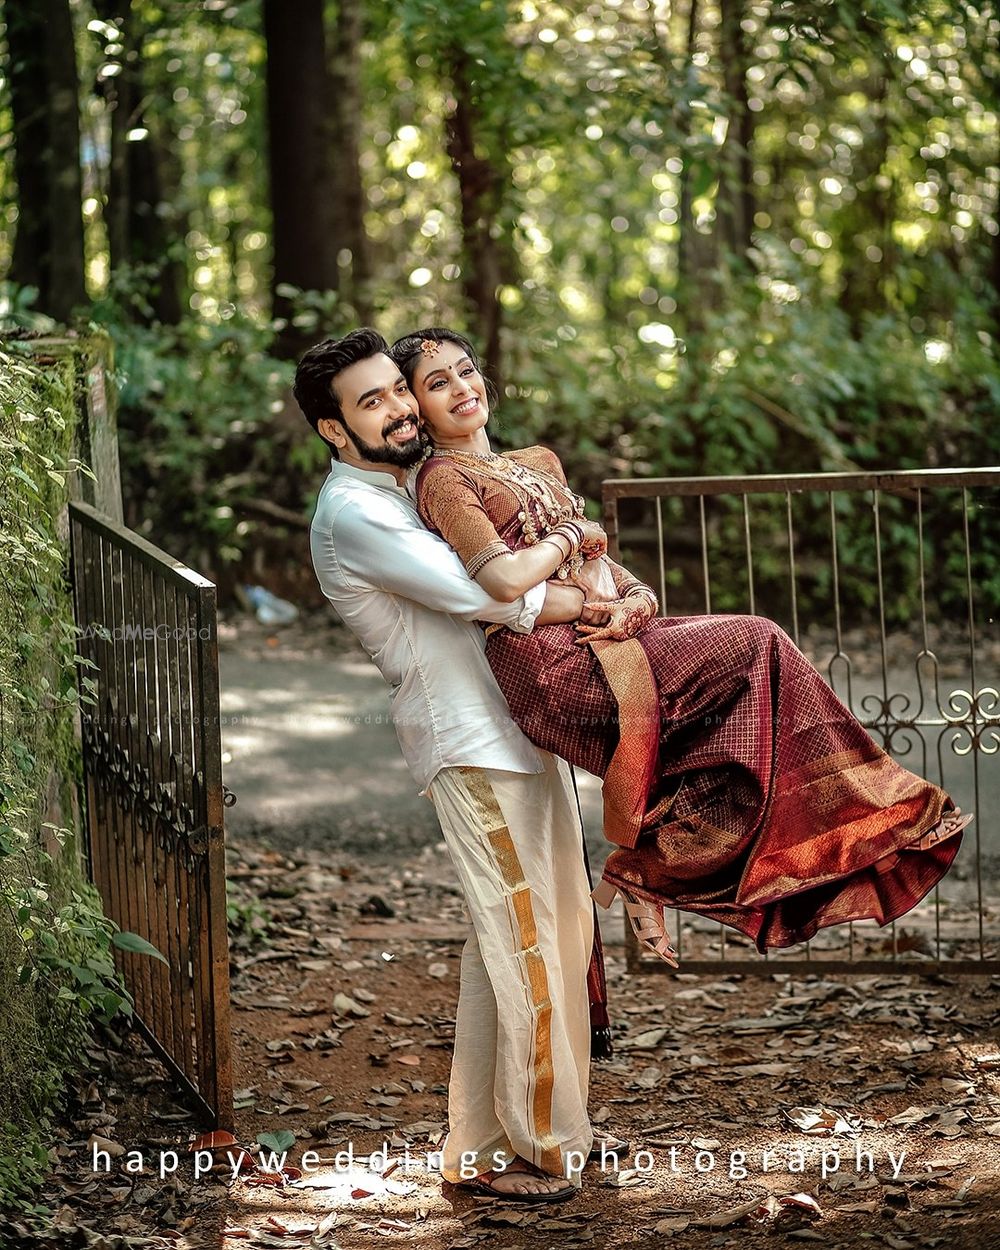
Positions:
{"x": 690, "y": 236}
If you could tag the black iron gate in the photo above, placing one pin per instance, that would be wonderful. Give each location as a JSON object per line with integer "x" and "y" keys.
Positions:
{"x": 154, "y": 793}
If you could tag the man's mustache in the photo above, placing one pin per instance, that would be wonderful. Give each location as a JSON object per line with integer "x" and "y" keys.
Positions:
{"x": 398, "y": 425}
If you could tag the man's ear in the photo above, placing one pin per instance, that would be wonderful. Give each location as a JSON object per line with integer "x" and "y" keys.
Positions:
{"x": 332, "y": 431}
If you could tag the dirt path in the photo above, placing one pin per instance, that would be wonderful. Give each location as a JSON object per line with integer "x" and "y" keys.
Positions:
{"x": 344, "y": 981}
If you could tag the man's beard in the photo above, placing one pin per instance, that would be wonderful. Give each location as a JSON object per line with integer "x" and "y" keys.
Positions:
{"x": 402, "y": 455}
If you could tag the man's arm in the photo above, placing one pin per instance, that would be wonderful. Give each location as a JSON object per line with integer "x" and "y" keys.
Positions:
{"x": 562, "y": 604}
{"x": 391, "y": 550}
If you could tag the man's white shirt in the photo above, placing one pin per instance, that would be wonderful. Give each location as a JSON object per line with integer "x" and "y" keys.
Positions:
{"x": 406, "y": 595}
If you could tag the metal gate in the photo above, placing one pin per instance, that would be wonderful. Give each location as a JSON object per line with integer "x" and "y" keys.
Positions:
{"x": 154, "y": 793}
{"x": 784, "y": 547}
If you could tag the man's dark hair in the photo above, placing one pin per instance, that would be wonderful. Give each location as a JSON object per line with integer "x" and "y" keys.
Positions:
{"x": 406, "y": 353}
{"x": 319, "y": 367}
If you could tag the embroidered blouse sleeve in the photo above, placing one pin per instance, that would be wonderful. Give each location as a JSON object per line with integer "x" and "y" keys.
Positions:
{"x": 449, "y": 503}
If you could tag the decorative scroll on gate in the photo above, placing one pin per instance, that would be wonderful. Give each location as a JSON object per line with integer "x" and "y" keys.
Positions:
{"x": 885, "y": 568}
{"x": 153, "y": 776}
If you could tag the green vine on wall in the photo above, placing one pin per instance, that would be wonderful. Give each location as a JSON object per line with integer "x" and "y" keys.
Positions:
{"x": 57, "y": 976}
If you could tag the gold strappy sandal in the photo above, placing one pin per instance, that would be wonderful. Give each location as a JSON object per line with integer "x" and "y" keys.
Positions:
{"x": 948, "y": 826}
{"x": 645, "y": 918}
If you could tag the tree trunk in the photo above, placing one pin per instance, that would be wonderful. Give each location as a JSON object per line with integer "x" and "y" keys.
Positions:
{"x": 48, "y": 248}
{"x": 302, "y": 195}
{"x": 735, "y": 201}
{"x": 145, "y": 224}
{"x": 26, "y": 39}
{"x": 862, "y": 286}
{"x": 344, "y": 145}
{"x": 694, "y": 249}
{"x": 486, "y": 262}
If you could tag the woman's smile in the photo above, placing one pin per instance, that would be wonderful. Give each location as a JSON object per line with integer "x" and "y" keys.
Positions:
{"x": 451, "y": 393}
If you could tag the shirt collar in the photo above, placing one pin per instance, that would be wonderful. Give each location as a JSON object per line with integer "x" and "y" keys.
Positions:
{"x": 373, "y": 477}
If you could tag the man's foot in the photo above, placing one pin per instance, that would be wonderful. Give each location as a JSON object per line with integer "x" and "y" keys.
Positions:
{"x": 520, "y": 1181}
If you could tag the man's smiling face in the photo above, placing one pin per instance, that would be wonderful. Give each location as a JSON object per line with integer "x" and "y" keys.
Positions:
{"x": 379, "y": 422}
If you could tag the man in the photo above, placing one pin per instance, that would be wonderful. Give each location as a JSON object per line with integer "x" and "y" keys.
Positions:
{"x": 517, "y": 1099}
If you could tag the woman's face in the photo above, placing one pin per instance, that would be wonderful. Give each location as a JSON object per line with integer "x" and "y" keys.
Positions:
{"x": 451, "y": 393}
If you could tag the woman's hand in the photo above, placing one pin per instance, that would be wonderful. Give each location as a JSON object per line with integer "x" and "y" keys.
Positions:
{"x": 595, "y": 542}
{"x": 615, "y": 619}
{"x": 597, "y": 612}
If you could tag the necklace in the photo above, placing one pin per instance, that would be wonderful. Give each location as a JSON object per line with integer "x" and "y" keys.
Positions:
{"x": 459, "y": 451}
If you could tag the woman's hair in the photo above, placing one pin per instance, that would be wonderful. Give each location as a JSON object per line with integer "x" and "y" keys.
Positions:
{"x": 406, "y": 352}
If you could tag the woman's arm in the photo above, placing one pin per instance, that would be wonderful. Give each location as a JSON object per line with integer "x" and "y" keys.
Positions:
{"x": 450, "y": 504}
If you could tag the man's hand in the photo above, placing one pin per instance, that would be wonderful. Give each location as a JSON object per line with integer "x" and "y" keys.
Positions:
{"x": 562, "y": 604}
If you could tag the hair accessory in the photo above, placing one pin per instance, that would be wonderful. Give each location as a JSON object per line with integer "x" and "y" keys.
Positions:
{"x": 430, "y": 347}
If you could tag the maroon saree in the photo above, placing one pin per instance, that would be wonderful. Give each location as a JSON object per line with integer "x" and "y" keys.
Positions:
{"x": 772, "y": 809}
{"x": 744, "y": 790}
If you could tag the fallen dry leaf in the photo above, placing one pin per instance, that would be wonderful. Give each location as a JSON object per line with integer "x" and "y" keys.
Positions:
{"x": 731, "y": 1216}
{"x": 821, "y": 1122}
{"x": 672, "y": 1224}
{"x": 112, "y": 1148}
{"x": 344, "y": 1005}
{"x": 626, "y": 1178}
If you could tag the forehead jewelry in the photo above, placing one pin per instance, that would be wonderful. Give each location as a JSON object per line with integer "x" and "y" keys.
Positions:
{"x": 429, "y": 347}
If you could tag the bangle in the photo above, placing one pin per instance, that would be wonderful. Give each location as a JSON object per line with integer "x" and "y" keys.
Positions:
{"x": 552, "y": 540}
{"x": 490, "y": 552}
{"x": 635, "y": 587}
{"x": 573, "y": 534}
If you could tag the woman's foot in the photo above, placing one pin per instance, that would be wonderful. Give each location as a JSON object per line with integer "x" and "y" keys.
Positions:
{"x": 645, "y": 918}
{"x": 948, "y": 826}
{"x": 520, "y": 1181}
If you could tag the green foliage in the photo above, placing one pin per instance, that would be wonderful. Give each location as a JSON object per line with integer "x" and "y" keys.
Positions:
{"x": 850, "y": 332}
{"x": 249, "y": 922}
{"x": 776, "y": 383}
{"x": 56, "y": 972}
{"x": 197, "y": 432}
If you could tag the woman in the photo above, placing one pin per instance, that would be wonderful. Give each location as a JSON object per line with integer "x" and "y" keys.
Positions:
{"x": 736, "y": 784}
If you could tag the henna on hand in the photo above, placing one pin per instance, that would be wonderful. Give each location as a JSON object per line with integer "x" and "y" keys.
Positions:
{"x": 626, "y": 617}
{"x": 595, "y": 541}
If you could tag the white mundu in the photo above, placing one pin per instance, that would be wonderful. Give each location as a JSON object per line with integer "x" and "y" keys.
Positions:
{"x": 521, "y": 1073}
{"x": 521, "y": 1065}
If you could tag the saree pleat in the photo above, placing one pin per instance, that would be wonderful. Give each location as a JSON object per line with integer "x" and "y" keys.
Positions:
{"x": 772, "y": 809}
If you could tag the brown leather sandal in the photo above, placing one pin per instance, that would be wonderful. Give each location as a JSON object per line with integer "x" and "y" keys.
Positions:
{"x": 482, "y": 1185}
